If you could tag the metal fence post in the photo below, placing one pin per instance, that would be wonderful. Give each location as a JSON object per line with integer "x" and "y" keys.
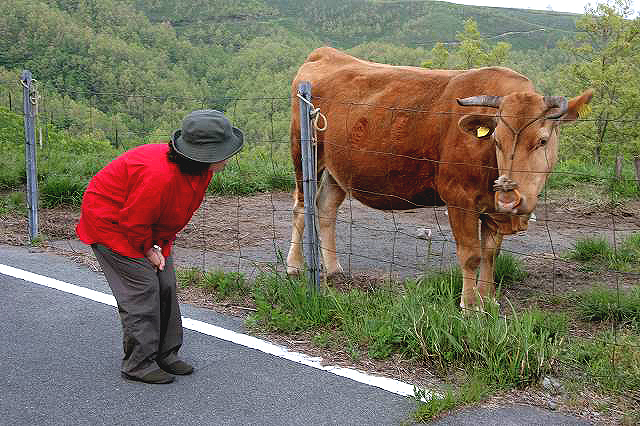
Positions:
{"x": 309, "y": 186}
{"x": 29, "y": 99}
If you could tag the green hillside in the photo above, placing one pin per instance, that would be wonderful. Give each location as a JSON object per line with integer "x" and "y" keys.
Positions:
{"x": 126, "y": 69}
{"x": 125, "y": 72}
{"x": 346, "y": 24}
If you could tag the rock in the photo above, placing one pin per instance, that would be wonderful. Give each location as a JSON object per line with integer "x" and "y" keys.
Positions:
{"x": 552, "y": 385}
{"x": 423, "y": 233}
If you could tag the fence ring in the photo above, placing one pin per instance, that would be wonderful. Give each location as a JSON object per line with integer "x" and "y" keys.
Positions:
{"x": 316, "y": 114}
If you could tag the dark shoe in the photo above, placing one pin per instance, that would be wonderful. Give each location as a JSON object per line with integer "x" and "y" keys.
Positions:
{"x": 156, "y": 377}
{"x": 178, "y": 367}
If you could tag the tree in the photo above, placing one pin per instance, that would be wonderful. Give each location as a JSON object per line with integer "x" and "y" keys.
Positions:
{"x": 606, "y": 54}
{"x": 473, "y": 50}
{"x": 440, "y": 57}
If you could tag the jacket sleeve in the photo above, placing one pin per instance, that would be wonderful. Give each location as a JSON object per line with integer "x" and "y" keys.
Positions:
{"x": 141, "y": 209}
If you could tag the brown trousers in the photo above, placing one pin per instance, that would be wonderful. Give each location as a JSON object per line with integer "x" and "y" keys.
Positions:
{"x": 148, "y": 308}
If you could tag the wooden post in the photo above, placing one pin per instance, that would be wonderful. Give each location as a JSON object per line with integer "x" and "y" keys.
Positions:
{"x": 29, "y": 99}
{"x": 309, "y": 187}
{"x": 618, "y": 167}
{"x": 636, "y": 162}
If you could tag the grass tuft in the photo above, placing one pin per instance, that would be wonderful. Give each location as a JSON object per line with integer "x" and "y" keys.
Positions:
{"x": 598, "y": 251}
{"x": 223, "y": 285}
{"x": 61, "y": 190}
{"x": 508, "y": 270}
{"x": 430, "y": 405}
{"x": 611, "y": 361}
{"x": 604, "y": 304}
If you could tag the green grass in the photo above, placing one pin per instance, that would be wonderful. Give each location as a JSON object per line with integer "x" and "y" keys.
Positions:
{"x": 66, "y": 163}
{"x": 429, "y": 405}
{"x": 220, "y": 284}
{"x": 13, "y": 202}
{"x": 420, "y": 320}
{"x": 611, "y": 305}
{"x": 61, "y": 190}
{"x": 597, "y": 251}
{"x": 257, "y": 168}
{"x": 508, "y": 270}
{"x": 591, "y": 179}
{"x": 573, "y": 173}
{"x": 611, "y": 362}
{"x": 417, "y": 319}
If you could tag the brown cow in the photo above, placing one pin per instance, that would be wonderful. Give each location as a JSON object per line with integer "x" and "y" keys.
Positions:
{"x": 398, "y": 138}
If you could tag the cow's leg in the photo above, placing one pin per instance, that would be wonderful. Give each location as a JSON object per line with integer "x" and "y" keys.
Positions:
{"x": 295, "y": 258}
{"x": 491, "y": 241}
{"x": 330, "y": 196}
{"x": 464, "y": 225}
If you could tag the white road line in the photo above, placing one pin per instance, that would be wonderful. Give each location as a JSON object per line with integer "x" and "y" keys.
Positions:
{"x": 390, "y": 385}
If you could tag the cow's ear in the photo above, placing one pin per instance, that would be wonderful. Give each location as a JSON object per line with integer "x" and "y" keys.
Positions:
{"x": 577, "y": 107}
{"x": 477, "y": 125}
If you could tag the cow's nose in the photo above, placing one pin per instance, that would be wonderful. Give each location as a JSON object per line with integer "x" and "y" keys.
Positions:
{"x": 508, "y": 201}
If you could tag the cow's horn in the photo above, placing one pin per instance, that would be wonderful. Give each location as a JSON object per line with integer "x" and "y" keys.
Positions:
{"x": 482, "y": 100}
{"x": 559, "y": 102}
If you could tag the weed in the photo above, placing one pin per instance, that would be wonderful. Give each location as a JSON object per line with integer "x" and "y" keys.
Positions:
{"x": 430, "y": 405}
{"x": 591, "y": 249}
{"x": 287, "y": 304}
{"x": 604, "y": 304}
{"x": 322, "y": 339}
{"x": 610, "y": 360}
{"x": 226, "y": 284}
{"x": 256, "y": 168}
{"x": 514, "y": 350}
{"x": 507, "y": 270}
{"x": 188, "y": 277}
{"x": 598, "y": 251}
{"x": 57, "y": 191}
{"x": 13, "y": 202}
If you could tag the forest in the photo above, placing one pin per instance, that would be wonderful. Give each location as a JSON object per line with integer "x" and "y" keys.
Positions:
{"x": 112, "y": 74}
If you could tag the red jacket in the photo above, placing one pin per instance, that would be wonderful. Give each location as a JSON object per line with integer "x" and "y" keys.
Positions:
{"x": 139, "y": 199}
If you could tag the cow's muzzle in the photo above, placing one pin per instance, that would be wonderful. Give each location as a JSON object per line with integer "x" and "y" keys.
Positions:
{"x": 507, "y": 196}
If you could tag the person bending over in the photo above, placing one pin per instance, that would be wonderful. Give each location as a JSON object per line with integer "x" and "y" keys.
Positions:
{"x": 131, "y": 212}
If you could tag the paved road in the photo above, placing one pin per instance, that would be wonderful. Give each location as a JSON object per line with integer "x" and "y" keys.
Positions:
{"x": 60, "y": 356}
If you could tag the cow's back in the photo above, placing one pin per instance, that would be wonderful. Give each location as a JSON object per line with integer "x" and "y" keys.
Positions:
{"x": 392, "y": 130}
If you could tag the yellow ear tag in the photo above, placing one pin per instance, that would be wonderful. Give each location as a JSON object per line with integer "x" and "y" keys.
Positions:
{"x": 482, "y": 131}
{"x": 584, "y": 110}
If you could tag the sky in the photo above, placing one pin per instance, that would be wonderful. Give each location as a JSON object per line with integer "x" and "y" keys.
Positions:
{"x": 574, "y": 6}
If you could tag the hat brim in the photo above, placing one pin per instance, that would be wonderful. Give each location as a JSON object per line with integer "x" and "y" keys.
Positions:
{"x": 208, "y": 153}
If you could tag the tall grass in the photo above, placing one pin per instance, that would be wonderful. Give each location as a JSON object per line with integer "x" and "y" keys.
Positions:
{"x": 508, "y": 270}
{"x": 610, "y": 361}
{"x": 605, "y": 304}
{"x": 598, "y": 251}
{"x": 574, "y": 173}
{"x": 420, "y": 319}
{"x": 67, "y": 162}
{"x": 257, "y": 168}
{"x": 220, "y": 284}
{"x": 507, "y": 350}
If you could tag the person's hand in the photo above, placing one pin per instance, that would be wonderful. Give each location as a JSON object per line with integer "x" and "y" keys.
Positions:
{"x": 154, "y": 254}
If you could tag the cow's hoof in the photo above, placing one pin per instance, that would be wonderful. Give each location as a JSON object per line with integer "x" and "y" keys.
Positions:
{"x": 293, "y": 271}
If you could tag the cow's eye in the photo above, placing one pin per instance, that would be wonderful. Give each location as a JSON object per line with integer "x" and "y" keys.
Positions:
{"x": 542, "y": 142}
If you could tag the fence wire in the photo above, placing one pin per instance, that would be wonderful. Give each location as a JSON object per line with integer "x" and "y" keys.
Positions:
{"x": 248, "y": 230}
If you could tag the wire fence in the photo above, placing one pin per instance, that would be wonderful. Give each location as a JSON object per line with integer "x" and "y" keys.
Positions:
{"x": 250, "y": 232}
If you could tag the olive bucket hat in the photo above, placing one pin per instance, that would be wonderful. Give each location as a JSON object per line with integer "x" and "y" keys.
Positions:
{"x": 207, "y": 136}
